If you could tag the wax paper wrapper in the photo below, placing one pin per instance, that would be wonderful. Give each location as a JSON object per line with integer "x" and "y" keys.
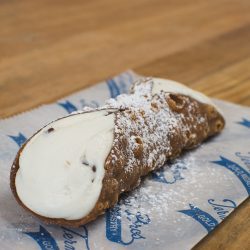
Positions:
{"x": 174, "y": 208}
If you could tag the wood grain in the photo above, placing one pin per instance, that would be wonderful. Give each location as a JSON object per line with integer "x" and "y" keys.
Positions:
{"x": 49, "y": 49}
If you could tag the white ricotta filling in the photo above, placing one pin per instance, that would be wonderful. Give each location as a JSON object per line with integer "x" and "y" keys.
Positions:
{"x": 62, "y": 167}
{"x": 178, "y": 88}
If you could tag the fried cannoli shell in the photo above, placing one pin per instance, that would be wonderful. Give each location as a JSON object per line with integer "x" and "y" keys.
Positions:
{"x": 137, "y": 150}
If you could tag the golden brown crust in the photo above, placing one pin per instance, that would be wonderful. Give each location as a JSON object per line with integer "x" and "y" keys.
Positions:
{"x": 198, "y": 121}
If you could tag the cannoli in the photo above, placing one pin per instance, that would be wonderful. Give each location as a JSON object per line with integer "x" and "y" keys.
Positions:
{"x": 76, "y": 167}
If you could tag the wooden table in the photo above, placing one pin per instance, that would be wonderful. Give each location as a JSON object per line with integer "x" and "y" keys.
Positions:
{"x": 49, "y": 49}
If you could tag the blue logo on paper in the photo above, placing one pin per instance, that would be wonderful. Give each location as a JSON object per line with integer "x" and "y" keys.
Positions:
{"x": 240, "y": 172}
{"x": 114, "y": 224}
{"x": 244, "y": 158}
{"x": 170, "y": 176}
{"x": 68, "y": 106}
{"x": 222, "y": 208}
{"x": 19, "y": 139}
{"x": 113, "y": 88}
{"x": 204, "y": 218}
{"x": 245, "y": 122}
{"x": 44, "y": 239}
{"x": 69, "y": 234}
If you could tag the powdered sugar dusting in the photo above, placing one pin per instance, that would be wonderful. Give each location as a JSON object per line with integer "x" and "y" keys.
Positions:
{"x": 146, "y": 122}
{"x": 151, "y": 198}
